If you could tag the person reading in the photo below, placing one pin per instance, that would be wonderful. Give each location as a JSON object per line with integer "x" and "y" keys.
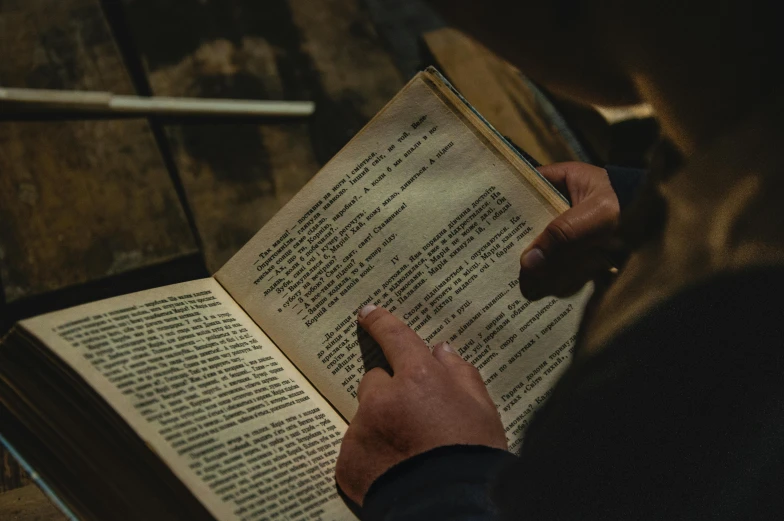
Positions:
{"x": 673, "y": 407}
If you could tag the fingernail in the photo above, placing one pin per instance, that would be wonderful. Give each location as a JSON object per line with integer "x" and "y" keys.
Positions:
{"x": 533, "y": 259}
{"x": 366, "y": 310}
{"x": 448, "y": 348}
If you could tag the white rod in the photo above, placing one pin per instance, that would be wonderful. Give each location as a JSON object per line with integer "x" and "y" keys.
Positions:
{"x": 41, "y": 99}
{"x": 157, "y": 105}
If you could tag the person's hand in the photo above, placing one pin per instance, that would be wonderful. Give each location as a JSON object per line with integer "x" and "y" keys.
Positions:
{"x": 430, "y": 401}
{"x": 573, "y": 248}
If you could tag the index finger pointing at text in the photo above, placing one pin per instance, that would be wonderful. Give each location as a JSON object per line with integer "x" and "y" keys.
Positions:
{"x": 401, "y": 345}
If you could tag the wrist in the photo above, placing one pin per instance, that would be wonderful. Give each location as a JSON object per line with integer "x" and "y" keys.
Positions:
{"x": 625, "y": 182}
{"x": 443, "y": 478}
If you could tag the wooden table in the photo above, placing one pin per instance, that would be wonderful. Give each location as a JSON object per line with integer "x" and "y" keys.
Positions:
{"x": 28, "y": 503}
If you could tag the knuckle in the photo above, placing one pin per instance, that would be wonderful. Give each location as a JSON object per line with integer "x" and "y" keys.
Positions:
{"x": 386, "y": 326}
{"x": 560, "y": 230}
{"x": 376, "y": 403}
{"x": 419, "y": 374}
{"x": 570, "y": 166}
{"x": 393, "y": 328}
{"x": 472, "y": 371}
{"x": 572, "y": 170}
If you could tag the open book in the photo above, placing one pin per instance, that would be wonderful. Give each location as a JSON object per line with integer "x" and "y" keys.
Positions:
{"x": 226, "y": 398}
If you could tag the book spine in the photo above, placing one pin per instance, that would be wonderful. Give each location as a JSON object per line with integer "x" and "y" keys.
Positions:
{"x": 514, "y": 149}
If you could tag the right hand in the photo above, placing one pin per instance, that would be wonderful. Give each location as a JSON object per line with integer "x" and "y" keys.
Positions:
{"x": 573, "y": 248}
{"x": 429, "y": 401}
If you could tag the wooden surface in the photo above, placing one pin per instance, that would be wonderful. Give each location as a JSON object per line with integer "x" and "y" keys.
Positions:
{"x": 237, "y": 175}
{"x": 11, "y": 474}
{"x": 28, "y": 504}
{"x": 499, "y": 93}
{"x": 79, "y": 200}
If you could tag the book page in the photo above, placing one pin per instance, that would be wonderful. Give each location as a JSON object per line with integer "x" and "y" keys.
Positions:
{"x": 420, "y": 215}
{"x": 209, "y": 393}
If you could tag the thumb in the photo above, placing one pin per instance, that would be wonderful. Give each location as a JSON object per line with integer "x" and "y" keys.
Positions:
{"x": 466, "y": 374}
{"x": 578, "y": 226}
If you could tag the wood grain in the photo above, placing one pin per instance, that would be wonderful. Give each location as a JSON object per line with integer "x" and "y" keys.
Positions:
{"x": 237, "y": 175}
{"x": 79, "y": 200}
{"x": 500, "y": 93}
{"x": 28, "y": 504}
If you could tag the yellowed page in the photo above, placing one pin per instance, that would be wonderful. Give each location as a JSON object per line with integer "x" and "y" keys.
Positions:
{"x": 419, "y": 215}
{"x": 195, "y": 377}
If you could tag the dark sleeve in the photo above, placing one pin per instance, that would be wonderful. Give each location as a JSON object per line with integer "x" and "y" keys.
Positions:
{"x": 626, "y": 182}
{"x": 680, "y": 416}
{"x": 450, "y": 483}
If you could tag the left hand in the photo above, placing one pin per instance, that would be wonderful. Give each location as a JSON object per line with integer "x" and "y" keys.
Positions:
{"x": 575, "y": 246}
{"x": 430, "y": 401}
